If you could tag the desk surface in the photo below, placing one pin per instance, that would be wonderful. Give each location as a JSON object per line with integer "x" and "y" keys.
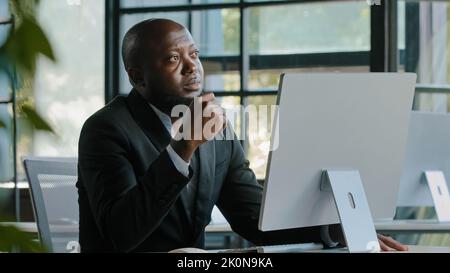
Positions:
{"x": 412, "y": 249}
{"x": 427, "y": 249}
{"x": 31, "y": 227}
{"x": 218, "y": 228}
{"x": 394, "y": 225}
{"x": 315, "y": 248}
{"x": 431, "y": 226}
{"x": 426, "y": 226}
{"x": 413, "y": 226}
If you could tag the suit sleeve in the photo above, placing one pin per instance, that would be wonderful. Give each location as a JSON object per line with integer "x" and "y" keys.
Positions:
{"x": 240, "y": 202}
{"x": 126, "y": 210}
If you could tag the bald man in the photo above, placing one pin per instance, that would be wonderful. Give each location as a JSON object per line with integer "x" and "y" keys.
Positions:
{"x": 142, "y": 189}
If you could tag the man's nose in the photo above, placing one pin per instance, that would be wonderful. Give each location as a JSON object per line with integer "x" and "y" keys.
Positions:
{"x": 189, "y": 66}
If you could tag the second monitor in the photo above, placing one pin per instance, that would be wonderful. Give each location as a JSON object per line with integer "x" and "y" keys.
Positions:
{"x": 427, "y": 164}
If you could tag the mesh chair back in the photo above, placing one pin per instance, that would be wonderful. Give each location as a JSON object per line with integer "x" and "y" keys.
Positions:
{"x": 55, "y": 201}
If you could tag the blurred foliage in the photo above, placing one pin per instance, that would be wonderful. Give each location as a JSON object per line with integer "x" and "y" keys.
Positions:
{"x": 26, "y": 41}
{"x": 12, "y": 239}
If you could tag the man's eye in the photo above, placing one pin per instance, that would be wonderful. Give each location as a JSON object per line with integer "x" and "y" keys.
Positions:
{"x": 195, "y": 54}
{"x": 174, "y": 58}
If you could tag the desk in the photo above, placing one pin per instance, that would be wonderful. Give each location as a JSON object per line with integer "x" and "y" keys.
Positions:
{"x": 395, "y": 226}
{"x": 317, "y": 248}
{"x": 427, "y": 249}
{"x": 64, "y": 238}
{"x": 221, "y": 234}
{"x": 218, "y": 228}
{"x": 412, "y": 249}
{"x": 225, "y": 229}
{"x": 31, "y": 227}
{"x": 412, "y": 226}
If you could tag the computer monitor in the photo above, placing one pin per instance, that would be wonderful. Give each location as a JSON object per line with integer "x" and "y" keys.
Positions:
{"x": 346, "y": 121}
{"x": 428, "y": 150}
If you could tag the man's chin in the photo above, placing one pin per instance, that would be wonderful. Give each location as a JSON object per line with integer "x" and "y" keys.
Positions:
{"x": 165, "y": 103}
{"x": 193, "y": 93}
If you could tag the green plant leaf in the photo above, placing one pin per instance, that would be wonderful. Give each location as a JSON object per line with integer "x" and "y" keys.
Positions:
{"x": 25, "y": 44}
{"x": 13, "y": 238}
{"x": 23, "y": 7}
{"x": 35, "y": 119}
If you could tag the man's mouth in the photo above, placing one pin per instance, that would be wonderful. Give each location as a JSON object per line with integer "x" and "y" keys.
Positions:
{"x": 193, "y": 84}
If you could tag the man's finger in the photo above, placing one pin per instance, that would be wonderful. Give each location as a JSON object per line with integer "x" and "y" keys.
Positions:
{"x": 383, "y": 246}
{"x": 207, "y": 97}
{"x": 392, "y": 243}
{"x": 211, "y": 108}
{"x": 204, "y": 100}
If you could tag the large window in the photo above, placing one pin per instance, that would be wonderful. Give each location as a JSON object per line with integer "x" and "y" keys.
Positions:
{"x": 424, "y": 45}
{"x": 65, "y": 92}
{"x": 69, "y": 91}
{"x": 245, "y": 48}
{"x": 427, "y": 47}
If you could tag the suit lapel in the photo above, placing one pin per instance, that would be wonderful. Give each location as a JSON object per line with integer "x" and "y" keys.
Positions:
{"x": 207, "y": 159}
{"x": 153, "y": 128}
{"x": 147, "y": 119}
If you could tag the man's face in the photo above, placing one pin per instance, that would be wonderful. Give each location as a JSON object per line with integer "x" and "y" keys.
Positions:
{"x": 173, "y": 73}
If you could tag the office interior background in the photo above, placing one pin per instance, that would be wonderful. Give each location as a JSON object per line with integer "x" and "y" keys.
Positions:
{"x": 244, "y": 45}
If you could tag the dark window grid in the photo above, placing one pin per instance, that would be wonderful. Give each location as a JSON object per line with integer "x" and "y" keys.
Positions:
{"x": 6, "y": 21}
{"x": 285, "y": 61}
{"x": 255, "y": 62}
{"x": 262, "y": 62}
{"x": 432, "y": 89}
{"x": 382, "y": 56}
{"x": 198, "y": 7}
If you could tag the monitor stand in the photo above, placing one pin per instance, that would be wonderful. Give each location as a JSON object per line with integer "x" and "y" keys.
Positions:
{"x": 353, "y": 209}
{"x": 439, "y": 192}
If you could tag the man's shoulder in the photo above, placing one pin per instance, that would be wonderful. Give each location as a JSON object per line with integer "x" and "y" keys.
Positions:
{"x": 114, "y": 112}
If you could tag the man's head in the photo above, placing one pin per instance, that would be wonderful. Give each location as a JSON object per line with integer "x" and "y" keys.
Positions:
{"x": 162, "y": 62}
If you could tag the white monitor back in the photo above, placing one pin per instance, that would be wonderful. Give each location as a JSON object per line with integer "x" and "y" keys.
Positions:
{"x": 428, "y": 149}
{"x": 354, "y": 121}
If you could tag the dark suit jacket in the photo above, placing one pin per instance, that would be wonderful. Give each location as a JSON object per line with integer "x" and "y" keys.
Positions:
{"x": 129, "y": 189}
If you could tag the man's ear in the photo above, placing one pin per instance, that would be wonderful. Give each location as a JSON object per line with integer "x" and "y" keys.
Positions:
{"x": 136, "y": 79}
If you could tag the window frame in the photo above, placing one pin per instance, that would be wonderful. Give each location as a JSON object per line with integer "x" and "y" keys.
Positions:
{"x": 383, "y": 56}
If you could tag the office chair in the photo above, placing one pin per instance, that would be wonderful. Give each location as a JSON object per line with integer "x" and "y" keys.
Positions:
{"x": 55, "y": 201}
